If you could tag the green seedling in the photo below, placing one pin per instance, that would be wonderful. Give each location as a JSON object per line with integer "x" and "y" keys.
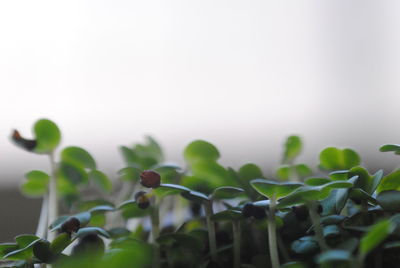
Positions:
{"x": 343, "y": 216}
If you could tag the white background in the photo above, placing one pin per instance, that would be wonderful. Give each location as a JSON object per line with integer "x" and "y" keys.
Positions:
{"x": 241, "y": 74}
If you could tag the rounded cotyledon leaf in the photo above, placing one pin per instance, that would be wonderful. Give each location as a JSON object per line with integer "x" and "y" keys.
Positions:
{"x": 201, "y": 150}
{"x": 101, "y": 179}
{"x": 78, "y": 156}
{"x": 332, "y": 158}
{"x": 227, "y": 215}
{"x": 226, "y": 192}
{"x": 48, "y": 136}
{"x": 36, "y": 183}
{"x": 273, "y": 189}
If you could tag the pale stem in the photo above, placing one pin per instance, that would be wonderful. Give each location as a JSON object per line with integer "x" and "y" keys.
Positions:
{"x": 211, "y": 229}
{"x": 273, "y": 249}
{"x": 319, "y": 234}
{"x": 236, "y": 243}
{"x": 155, "y": 231}
{"x": 53, "y": 200}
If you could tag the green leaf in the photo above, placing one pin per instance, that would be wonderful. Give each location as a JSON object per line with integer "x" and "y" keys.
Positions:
{"x": 226, "y": 192}
{"x": 201, "y": 150}
{"x": 274, "y": 189}
{"x": 166, "y": 189}
{"x": 294, "y": 264}
{"x": 390, "y": 182}
{"x": 7, "y": 248}
{"x": 25, "y": 239}
{"x": 88, "y": 230}
{"x": 316, "y": 181}
{"x": 375, "y": 181}
{"x": 284, "y": 172}
{"x": 60, "y": 243}
{"x": 336, "y": 159}
{"x": 305, "y": 245}
{"x": 339, "y": 175}
{"x": 101, "y": 180}
{"x": 74, "y": 174}
{"x": 376, "y": 235}
{"x": 390, "y": 148}
{"x": 195, "y": 196}
{"x": 22, "y": 253}
{"x": 311, "y": 193}
{"x": 118, "y": 232}
{"x": 303, "y": 170}
{"x": 331, "y": 231}
{"x": 293, "y": 146}
{"x": 101, "y": 208}
{"x": 389, "y": 200}
{"x": 227, "y": 215}
{"x": 36, "y": 184}
{"x": 334, "y": 256}
{"x": 42, "y": 251}
{"x": 130, "y": 209}
{"x": 78, "y": 157}
{"x": 249, "y": 172}
{"x": 129, "y": 155}
{"x": 210, "y": 174}
{"x": 130, "y": 174}
{"x": 48, "y": 136}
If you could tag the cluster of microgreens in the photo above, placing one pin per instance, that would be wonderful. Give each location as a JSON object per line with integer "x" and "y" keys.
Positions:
{"x": 206, "y": 215}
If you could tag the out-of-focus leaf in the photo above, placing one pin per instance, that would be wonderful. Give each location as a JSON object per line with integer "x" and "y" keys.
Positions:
{"x": 338, "y": 159}
{"x": 36, "y": 183}
{"x": 48, "y": 136}
{"x": 78, "y": 156}
{"x": 293, "y": 146}
{"x": 201, "y": 150}
{"x": 376, "y": 235}
{"x": 101, "y": 180}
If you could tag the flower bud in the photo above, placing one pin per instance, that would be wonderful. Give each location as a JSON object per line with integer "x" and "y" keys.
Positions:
{"x": 71, "y": 225}
{"x": 142, "y": 200}
{"x": 150, "y": 179}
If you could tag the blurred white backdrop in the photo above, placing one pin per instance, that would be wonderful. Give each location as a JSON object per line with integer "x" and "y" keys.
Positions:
{"x": 241, "y": 74}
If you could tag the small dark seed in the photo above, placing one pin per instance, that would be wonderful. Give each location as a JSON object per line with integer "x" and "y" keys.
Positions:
{"x": 71, "y": 225}
{"x": 26, "y": 144}
{"x": 142, "y": 200}
{"x": 150, "y": 179}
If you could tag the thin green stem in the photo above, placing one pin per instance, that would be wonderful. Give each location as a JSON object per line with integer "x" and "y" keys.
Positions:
{"x": 273, "y": 248}
{"x": 236, "y": 243}
{"x": 319, "y": 234}
{"x": 155, "y": 231}
{"x": 211, "y": 229}
{"x": 53, "y": 200}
